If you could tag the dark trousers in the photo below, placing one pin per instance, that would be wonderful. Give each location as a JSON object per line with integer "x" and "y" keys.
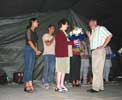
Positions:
{"x": 29, "y": 62}
{"x": 75, "y": 65}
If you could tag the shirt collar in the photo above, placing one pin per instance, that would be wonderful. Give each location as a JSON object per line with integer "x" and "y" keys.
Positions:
{"x": 96, "y": 28}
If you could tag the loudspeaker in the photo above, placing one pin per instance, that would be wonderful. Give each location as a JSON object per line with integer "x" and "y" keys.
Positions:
{"x": 17, "y": 77}
{"x": 3, "y": 78}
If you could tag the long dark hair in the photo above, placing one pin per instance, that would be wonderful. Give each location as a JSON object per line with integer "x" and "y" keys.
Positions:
{"x": 30, "y": 22}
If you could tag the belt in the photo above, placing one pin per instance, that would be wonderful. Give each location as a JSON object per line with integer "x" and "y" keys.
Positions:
{"x": 93, "y": 50}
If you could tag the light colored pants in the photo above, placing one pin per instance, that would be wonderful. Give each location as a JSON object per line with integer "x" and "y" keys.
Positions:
{"x": 84, "y": 70}
{"x": 98, "y": 60}
{"x": 106, "y": 71}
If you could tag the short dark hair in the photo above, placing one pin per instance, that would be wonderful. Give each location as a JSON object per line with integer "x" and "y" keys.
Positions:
{"x": 93, "y": 19}
{"x": 30, "y": 22}
{"x": 51, "y": 25}
{"x": 62, "y": 22}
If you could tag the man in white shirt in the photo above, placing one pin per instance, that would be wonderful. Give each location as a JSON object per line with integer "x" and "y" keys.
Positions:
{"x": 99, "y": 39}
{"x": 49, "y": 56}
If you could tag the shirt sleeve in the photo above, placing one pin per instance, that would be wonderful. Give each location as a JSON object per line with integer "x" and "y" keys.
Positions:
{"x": 28, "y": 33}
{"x": 36, "y": 37}
{"x": 105, "y": 31}
{"x": 44, "y": 37}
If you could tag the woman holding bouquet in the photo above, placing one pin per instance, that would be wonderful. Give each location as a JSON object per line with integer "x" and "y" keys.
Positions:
{"x": 62, "y": 59}
{"x": 75, "y": 66}
{"x": 76, "y": 35}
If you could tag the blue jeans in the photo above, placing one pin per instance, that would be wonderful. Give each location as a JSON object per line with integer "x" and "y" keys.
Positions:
{"x": 29, "y": 62}
{"x": 49, "y": 69}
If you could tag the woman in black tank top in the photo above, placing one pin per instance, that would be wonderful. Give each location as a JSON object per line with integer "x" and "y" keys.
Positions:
{"x": 30, "y": 51}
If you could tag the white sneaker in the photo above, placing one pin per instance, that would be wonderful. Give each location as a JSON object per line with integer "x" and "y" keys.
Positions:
{"x": 65, "y": 89}
{"x": 59, "y": 90}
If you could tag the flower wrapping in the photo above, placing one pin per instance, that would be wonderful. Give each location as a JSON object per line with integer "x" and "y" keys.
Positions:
{"x": 76, "y": 35}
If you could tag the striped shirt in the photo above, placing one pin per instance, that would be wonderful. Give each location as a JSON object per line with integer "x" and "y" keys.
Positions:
{"x": 98, "y": 37}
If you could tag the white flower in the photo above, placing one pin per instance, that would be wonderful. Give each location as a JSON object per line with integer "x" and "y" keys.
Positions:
{"x": 77, "y": 31}
{"x": 71, "y": 33}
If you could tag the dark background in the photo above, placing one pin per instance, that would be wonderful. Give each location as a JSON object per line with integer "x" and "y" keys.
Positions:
{"x": 108, "y": 12}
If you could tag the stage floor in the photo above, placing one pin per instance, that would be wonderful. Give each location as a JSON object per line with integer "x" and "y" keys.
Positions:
{"x": 113, "y": 91}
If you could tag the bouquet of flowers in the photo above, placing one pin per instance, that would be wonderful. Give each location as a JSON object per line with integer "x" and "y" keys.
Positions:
{"x": 76, "y": 35}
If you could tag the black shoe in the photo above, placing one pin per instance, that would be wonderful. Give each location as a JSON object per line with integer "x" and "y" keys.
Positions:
{"x": 77, "y": 85}
{"x": 93, "y": 91}
{"x": 101, "y": 90}
{"x": 73, "y": 85}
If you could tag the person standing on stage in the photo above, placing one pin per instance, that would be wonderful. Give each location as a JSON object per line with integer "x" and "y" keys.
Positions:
{"x": 30, "y": 51}
{"x": 99, "y": 39}
{"x": 85, "y": 63}
{"x": 108, "y": 64}
{"x": 75, "y": 65}
{"x": 49, "y": 56}
{"x": 62, "y": 57}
